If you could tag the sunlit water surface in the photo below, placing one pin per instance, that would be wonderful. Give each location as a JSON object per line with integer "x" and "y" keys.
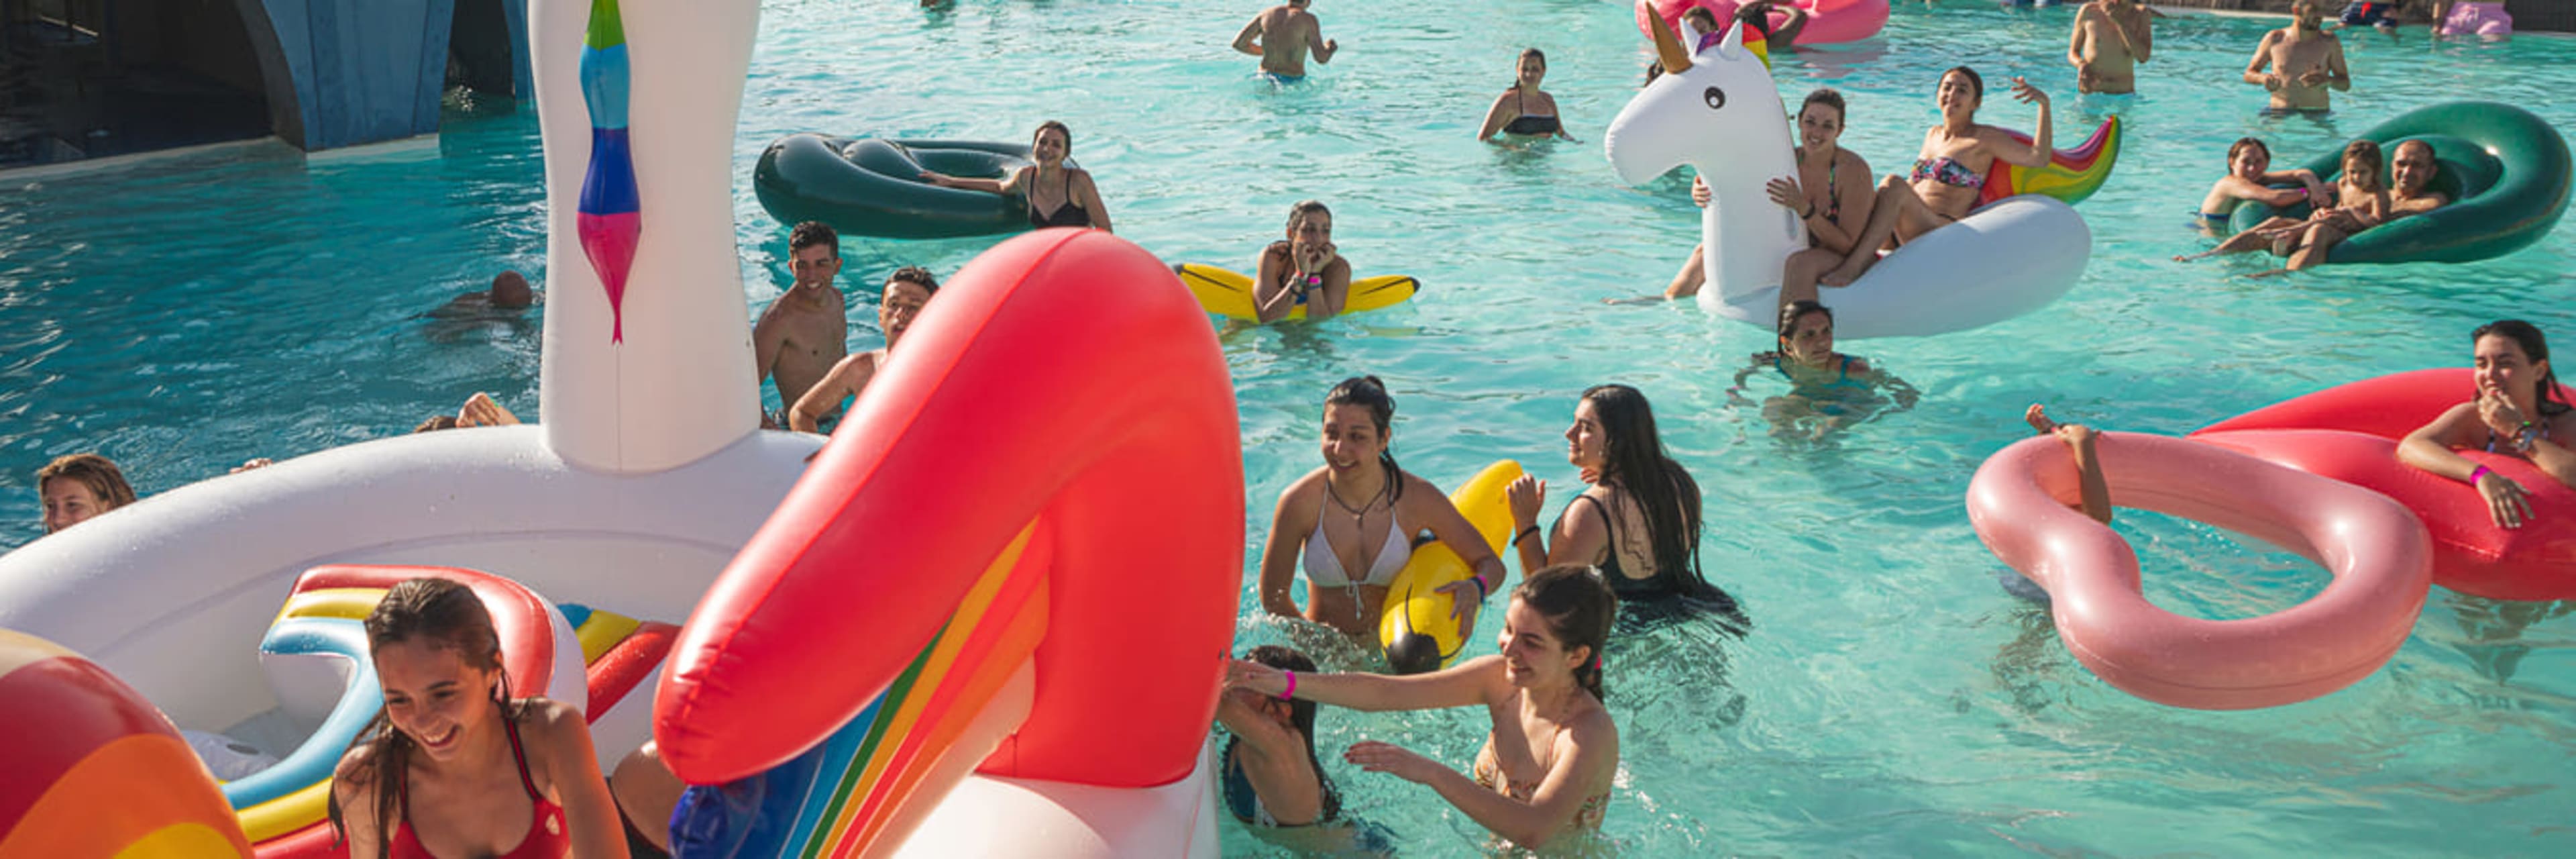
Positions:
{"x": 1891, "y": 700}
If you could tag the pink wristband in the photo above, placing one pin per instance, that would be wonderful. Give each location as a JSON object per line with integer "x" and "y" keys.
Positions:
{"x": 2481, "y": 471}
{"x": 1290, "y": 693}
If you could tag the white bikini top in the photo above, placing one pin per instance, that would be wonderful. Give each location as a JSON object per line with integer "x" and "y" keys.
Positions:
{"x": 1324, "y": 569}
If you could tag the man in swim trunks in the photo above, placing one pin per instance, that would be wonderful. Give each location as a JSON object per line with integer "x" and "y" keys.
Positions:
{"x": 2111, "y": 37}
{"x": 2297, "y": 64}
{"x": 2410, "y": 171}
{"x": 803, "y": 333}
{"x": 1284, "y": 35}
{"x": 906, "y": 291}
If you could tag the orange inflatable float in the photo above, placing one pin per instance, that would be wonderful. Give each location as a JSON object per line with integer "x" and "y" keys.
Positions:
{"x": 2019, "y": 502}
{"x": 1019, "y": 556}
{"x": 2350, "y": 433}
{"x": 105, "y": 774}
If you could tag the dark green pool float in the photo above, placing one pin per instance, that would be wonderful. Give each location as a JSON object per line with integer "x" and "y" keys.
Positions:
{"x": 872, "y": 187}
{"x": 2506, "y": 171}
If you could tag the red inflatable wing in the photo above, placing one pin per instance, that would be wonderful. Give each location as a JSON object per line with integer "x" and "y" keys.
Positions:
{"x": 2350, "y": 433}
{"x": 1063, "y": 384}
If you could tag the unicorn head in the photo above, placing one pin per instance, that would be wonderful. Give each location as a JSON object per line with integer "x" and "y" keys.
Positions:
{"x": 1719, "y": 112}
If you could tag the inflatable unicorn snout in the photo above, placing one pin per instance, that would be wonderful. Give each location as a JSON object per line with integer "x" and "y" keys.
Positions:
{"x": 1718, "y": 112}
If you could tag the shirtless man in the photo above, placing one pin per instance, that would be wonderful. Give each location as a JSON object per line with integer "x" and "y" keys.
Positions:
{"x": 2303, "y": 60}
{"x": 2410, "y": 169}
{"x": 802, "y": 334}
{"x": 1285, "y": 33}
{"x": 2111, "y": 37}
{"x": 906, "y": 291}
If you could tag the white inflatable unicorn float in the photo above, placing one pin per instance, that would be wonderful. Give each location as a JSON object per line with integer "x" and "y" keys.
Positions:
{"x": 1718, "y": 111}
{"x": 999, "y": 663}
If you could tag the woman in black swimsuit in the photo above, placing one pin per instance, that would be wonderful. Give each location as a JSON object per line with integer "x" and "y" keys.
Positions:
{"x": 1059, "y": 195}
{"x": 2518, "y": 412}
{"x": 1639, "y": 521}
{"x": 1830, "y": 192}
{"x": 1525, "y": 110}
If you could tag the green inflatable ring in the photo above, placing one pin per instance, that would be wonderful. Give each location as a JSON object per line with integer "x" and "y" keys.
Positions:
{"x": 2507, "y": 173}
{"x": 872, "y": 187}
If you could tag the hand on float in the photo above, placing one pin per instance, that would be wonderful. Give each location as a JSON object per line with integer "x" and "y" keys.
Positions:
{"x": 1699, "y": 192}
{"x": 1465, "y": 597}
{"x": 939, "y": 179}
{"x": 1394, "y": 760}
{"x": 480, "y": 411}
{"x": 2506, "y": 502}
{"x": 1785, "y": 191}
{"x": 252, "y": 465}
{"x": 1242, "y": 674}
{"x": 1527, "y": 496}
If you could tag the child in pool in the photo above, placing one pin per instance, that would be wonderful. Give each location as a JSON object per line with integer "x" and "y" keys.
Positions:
{"x": 1827, "y": 389}
{"x": 2361, "y": 203}
{"x": 2250, "y": 177}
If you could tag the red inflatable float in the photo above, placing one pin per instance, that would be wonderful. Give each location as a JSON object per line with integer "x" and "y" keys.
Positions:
{"x": 1053, "y": 462}
{"x": 2350, "y": 433}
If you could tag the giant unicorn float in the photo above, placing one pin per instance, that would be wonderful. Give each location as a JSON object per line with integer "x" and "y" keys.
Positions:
{"x": 1718, "y": 111}
{"x": 935, "y": 610}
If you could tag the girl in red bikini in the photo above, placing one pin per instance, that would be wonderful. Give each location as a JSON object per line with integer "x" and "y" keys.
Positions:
{"x": 453, "y": 766}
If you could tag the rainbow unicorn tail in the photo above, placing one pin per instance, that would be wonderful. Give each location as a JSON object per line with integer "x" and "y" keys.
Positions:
{"x": 2071, "y": 174}
{"x": 95, "y": 770}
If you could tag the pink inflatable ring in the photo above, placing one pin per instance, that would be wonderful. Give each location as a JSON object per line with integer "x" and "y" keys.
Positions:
{"x": 2381, "y": 561}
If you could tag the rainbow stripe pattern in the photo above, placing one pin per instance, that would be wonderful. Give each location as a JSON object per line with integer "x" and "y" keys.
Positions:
{"x": 610, "y": 219}
{"x": 93, "y": 769}
{"x": 2071, "y": 174}
{"x": 836, "y": 798}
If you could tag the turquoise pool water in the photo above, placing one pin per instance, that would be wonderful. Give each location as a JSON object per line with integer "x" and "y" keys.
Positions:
{"x": 194, "y": 312}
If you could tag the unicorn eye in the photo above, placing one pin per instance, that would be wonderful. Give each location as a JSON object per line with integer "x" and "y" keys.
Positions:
{"x": 1715, "y": 97}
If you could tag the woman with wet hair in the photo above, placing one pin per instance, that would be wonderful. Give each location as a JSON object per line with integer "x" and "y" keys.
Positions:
{"x": 1305, "y": 269}
{"x": 1549, "y": 761}
{"x": 1639, "y": 517}
{"x": 1353, "y": 523}
{"x": 454, "y": 766}
{"x": 1058, "y": 194}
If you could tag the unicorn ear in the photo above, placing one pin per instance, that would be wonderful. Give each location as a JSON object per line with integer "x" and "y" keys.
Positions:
{"x": 1732, "y": 45}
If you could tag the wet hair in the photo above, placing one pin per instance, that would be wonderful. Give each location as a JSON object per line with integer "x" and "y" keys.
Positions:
{"x": 2368, "y": 150}
{"x": 1825, "y": 96}
{"x": 1654, "y": 69}
{"x": 1301, "y": 715}
{"x": 811, "y": 233}
{"x": 1304, "y": 208}
{"x": 434, "y": 423}
{"x": 1042, "y": 130}
{"x": 1976, "y": 84}
{"x": 916, "y": 276}
{"x": 1368, "y": 393}
{"x": 1526, "y": 54}
{"x": 2534, "y": 346}
{"x": 1797, "y": 310}
{"x": 97, "y": 472}
{"x": 1579, "y": 608}
{"x": 510, "y": 289}
{"x": 1663, "y": 489}
{"x": 2242, "y": 143}
{"x": 445, "y": 614}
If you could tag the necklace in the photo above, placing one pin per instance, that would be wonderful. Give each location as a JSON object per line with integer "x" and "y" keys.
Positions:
{"x": 1361, "y": 512}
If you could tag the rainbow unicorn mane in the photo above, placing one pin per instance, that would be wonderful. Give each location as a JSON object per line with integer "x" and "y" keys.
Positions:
{"x": 2071, "y": 174}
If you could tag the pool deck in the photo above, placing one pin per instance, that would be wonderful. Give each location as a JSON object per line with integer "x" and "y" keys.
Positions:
{"x": 2554, "y": 16}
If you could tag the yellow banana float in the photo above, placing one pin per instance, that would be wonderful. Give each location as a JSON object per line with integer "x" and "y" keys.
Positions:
{"x": 1229, "y": 294}
{"x": 1415, "y": 626}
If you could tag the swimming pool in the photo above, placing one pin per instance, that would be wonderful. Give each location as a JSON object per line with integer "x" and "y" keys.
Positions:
{"x": 194, "y": 312}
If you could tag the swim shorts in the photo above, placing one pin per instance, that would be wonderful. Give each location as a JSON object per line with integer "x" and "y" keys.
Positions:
{"x": 2364, "y": 14}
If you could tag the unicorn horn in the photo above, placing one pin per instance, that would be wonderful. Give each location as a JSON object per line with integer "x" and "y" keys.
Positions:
{"x": 1668, "y": 46}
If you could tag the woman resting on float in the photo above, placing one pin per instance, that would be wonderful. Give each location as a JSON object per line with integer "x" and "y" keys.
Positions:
{"x": 1948, "y": 175}
{"x": 1830, "y": 193}
{"x": 2514, "y": 414}
{"x": 1828, "y": 390}
{"x": 1549, "y": 761}
{"x": 1352, "y": 523}
{"x": 1305, "y": 269}
{"x": 1525, "y": 110}
{"x": 1638, "y": 520}
{"x": 453, "y": 766}
{"x": 1058, "y": 195}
